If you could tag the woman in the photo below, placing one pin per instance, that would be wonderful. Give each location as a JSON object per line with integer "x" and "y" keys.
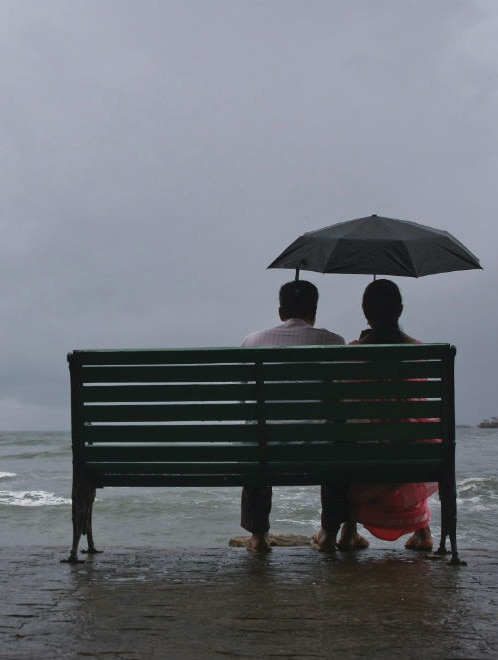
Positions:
{"x": 387, "y": 510}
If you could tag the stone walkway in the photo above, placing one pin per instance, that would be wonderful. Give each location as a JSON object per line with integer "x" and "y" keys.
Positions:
{"x": 227, "y": 603}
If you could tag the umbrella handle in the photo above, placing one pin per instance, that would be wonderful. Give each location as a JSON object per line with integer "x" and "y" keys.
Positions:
{"x": 301, "y": 263}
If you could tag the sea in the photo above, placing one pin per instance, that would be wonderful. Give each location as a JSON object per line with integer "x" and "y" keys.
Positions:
{"x": 35, "y": 501}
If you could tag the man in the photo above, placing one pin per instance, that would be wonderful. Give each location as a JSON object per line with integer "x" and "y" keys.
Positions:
{"x": 298, "y": 303}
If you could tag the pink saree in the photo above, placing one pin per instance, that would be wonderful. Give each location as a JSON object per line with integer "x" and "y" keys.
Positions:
{"x": 389, "y": 511}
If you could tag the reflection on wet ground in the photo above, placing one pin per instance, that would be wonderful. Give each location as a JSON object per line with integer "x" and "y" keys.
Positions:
{"x": 219, "y": 603}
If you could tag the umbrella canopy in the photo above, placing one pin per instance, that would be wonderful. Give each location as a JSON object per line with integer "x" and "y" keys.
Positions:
{"x": 377, "y": 246}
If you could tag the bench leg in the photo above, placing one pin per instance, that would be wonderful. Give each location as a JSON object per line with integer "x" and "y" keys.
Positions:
{"x": 83, "y": 496}
{"x": 447, "y": 494}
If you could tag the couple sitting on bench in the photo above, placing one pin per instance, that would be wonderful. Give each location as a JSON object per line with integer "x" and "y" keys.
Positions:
{"x": 388, "y": 511}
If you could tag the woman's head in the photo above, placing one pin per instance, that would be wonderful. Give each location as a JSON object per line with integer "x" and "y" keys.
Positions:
{"x": 382, "y": 305}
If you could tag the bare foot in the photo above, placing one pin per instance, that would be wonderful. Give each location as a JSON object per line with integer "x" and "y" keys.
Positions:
{"x": 350, "y": 539}
{"x": 420, "y": 540}
{"x": 323, "y": 541}
{"x": 259, "y": 543}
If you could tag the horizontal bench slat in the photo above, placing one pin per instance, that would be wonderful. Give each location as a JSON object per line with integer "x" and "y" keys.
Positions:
{"x": 249, "y": 392}
{"x": 344, "y": 475}
{"x": 169, "y": 413}
{"x": 171, "y": 467}
{"x": 187, "y": 373}
{"x": 359, "y": 453}
{"x": 185, "y": 453}
{"x": 355, "y": 370}
{"x": 216, "y": 373}
{"x": 341, "y": 472}
{"x": 168, "y": 433}
{"x": 221, "y": 355}
{"x": 372, "y": 468}
{"x": 295, "y": 410}
{"x": 240, "y": 433}
{"x": 171, "y": 393}
{"x": 402, "y": 432}
{"x": 246, "y": 453}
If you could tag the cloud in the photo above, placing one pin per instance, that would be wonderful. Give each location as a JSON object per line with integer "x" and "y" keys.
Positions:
{"x": 157, "y": 156}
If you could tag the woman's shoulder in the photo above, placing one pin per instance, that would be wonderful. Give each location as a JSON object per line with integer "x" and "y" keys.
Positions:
{"x": 410, "y": 340}
{"x": 364, "y": 339}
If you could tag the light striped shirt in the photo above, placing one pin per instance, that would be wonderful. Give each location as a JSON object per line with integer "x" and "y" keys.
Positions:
{"x": 293, "y": 332}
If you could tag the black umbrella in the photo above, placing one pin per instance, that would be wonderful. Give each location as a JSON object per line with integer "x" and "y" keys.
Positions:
{"x": 377, "y": 246}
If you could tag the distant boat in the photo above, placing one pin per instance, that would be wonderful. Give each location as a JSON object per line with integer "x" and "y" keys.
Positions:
{"x": 489, "y": 423}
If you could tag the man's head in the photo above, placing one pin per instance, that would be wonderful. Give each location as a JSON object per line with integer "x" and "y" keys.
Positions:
{"x": 298, "y": 300}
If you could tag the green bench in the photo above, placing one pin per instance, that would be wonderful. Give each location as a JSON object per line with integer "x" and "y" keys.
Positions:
{"x": 260, "y": 416}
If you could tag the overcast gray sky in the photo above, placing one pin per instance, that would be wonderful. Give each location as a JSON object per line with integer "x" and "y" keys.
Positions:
{"x": 157, "y": 155}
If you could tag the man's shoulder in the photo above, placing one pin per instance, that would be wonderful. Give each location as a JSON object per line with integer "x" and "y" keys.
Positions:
{"x": 260, "y": 337}
{"x": 328, "y": 337}
{"x": 281, "y": 335}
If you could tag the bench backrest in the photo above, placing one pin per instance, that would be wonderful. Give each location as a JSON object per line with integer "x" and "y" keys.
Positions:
{"x": 265, "y": 415}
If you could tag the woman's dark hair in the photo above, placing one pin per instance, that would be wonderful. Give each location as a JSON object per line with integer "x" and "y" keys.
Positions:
{"x": 298, "y": 299}
{"x": 382, "y": 306}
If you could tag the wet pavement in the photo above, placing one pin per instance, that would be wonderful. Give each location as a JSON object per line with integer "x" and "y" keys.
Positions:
{"x": 228, "y": 603}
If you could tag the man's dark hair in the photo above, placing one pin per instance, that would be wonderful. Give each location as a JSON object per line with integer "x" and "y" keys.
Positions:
{"x": 298, "y": 299}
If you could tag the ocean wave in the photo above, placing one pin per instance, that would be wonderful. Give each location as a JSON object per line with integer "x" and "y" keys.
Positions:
{"x": 38, "y": 455}
{"x": 31, "y": 498}
{"x": 7, "y": 475}
{"x": 474, "y": 487}
{"x": 478, "y": 495}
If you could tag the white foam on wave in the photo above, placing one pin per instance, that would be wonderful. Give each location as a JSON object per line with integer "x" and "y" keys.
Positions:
{"x": 6, "y": 475}
{"x": 478, "y": 495}
{"x": 31, "y": 498}
{"x": 475, "y": 486}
